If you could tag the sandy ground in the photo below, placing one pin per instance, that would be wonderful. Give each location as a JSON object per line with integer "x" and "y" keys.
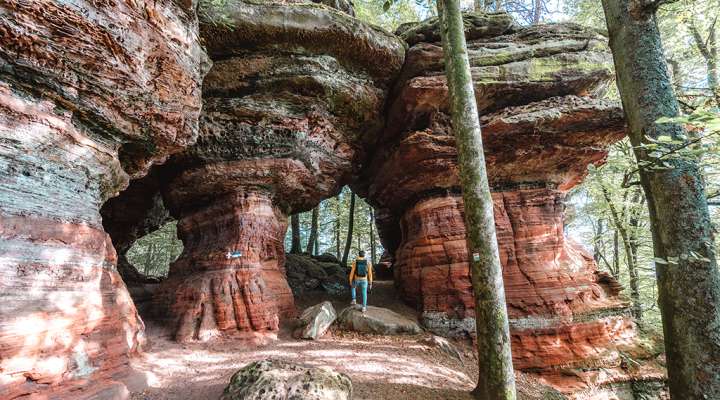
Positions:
{"x": 381, "y": 367}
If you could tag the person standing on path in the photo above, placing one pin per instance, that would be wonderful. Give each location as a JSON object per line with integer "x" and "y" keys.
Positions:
{"x": 361, "y": 275}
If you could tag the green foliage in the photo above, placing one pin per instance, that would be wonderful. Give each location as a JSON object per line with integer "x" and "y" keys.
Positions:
{"x": 153, "y": 253}
{"x": 334, "y": 213}
{"x": 390, "y": 14}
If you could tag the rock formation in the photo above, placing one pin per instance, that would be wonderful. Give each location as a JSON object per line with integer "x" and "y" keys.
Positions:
{"x": 135, "y": 212}
{"x": 295, "y": 92}
{"x": 91, "y": 94}
{"x": 281, "y": 380}
{"x": 541, "y": 129}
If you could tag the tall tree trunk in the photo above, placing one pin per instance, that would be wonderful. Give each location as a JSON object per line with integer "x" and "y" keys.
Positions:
{"x": 537, "y": 11}
{"x": 709, "y": 50}
{"x": 618, "y": 219}
{"x": 633, "y": 229}
{"x": 337, "y": 226}
{"x": 312, "y": 238}
{"x": 351, "y": 220}
{"x": 616, "y": 254}
{"x": 373, "y": 246}
{"x": 496, "y": 379}
{"x": 295, "y": 226}
{"x": 687, "y": 274}
{"x": 598, "y": 232}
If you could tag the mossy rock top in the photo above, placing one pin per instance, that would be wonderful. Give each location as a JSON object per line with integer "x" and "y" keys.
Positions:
{"x": 229, "y": 27}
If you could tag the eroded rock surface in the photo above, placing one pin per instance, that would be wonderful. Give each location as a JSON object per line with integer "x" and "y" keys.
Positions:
{"x": 91, "y": 93}
{"x": 282, "y": 380}
{"x": 541, "y": 129}
{"x": 295, "y": 93}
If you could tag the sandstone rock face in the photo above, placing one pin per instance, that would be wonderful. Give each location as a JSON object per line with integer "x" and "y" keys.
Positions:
{"x": 281, "y": 380}
{"x": 541, "y": 129}
{"x": 295, "y": 93}
{"x": 315, "y": 321}
{"x": 91, "y": 93}
{"x": 376, "y": 320}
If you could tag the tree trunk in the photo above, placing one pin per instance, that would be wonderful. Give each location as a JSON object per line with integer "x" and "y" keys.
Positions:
{"x": 537, "y": 11}
{"x": 633, "y": 224}
{"x": 618, "y": 219}
{"x": 295, "y": 226}
{"x": 616, "y": 254}
{"x": 598, "y": 232}
{"x": 373, "y": 246}
{"x": 687, "y": 272}
{"x": 709, "y": 50}
{"x": 496, "y": 379}
{"x": 312, "y": 238}
{"x": 348, "y": 240}
{"x": 337, "y": 226}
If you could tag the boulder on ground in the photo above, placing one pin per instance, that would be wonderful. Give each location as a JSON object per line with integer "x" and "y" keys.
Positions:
{"x": 315, "y": 321}
{"x": 376, "y": 320}
{"x": 282, "y": 380}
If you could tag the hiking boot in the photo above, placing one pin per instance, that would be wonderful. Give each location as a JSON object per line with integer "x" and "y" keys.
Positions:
{"x": 352, "y": 303}
{"x": 364, "y": 309}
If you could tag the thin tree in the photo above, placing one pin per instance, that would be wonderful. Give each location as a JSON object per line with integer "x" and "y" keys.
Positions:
{"x": 496, "y": 379}
{"x": 312, "y": 238}
{"x": 373, "y": 245}
{"x": 295, "y": 226}
{"x": 337, "y": 225}
{"x": 686, "y": 267}
{"x": 348, "y": 240}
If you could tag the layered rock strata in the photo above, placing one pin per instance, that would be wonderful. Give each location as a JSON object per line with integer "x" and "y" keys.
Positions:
{"x": 91, "y": 93}
{"x": 541, "y": 129}
{"x": 295, "y": 93}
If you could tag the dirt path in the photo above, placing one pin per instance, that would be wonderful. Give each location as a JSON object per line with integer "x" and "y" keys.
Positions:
{"x": 381, "y": 367}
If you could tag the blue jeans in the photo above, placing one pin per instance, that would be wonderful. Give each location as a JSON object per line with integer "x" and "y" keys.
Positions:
{"x": 363, "y": 283}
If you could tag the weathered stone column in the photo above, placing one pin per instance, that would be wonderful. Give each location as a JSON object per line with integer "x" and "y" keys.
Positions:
{"x": 230, "y": 277}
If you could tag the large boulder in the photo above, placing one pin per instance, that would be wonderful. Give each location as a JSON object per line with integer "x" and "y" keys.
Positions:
{"x": 282, "y": 380}
{"x": 376, "y": 320}
{"x": 315, "y": 321}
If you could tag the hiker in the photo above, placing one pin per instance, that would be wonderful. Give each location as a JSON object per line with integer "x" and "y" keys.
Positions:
{"x": 361, "y": 274}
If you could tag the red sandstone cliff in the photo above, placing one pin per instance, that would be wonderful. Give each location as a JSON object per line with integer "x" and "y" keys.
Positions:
{"x": 91, "y": 93}
{"x": 541, "y": 129}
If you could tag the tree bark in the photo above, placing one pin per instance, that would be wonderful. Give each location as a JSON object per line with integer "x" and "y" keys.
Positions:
{"x": 312, "y": 238}
{"x": 687, "y": 273}
{"x": 496, "y": 380}
{"x": 537, "y": 11}
{"x": 337, "y": 226}
{"x": 295, "y": 226}
{"x": 351, "y": 220}
{"x": 629, "y": 245}
{"x": 616, "y": 254}
{"x": 373, "y": 245}
{"x": 709, "y": 51}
